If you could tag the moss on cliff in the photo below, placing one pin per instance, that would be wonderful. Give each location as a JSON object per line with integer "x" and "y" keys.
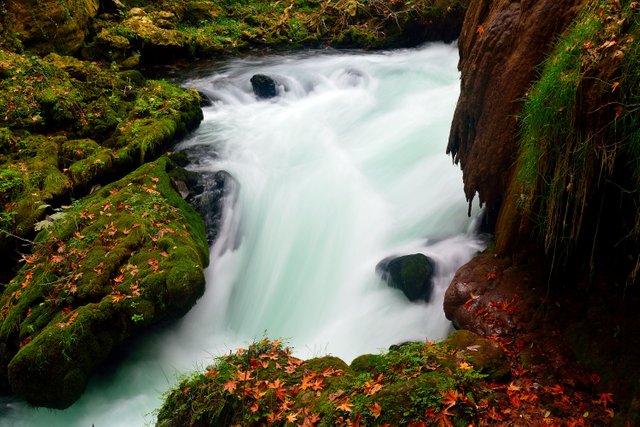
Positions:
{"x": 578, "y": 163}
{"x": 121, "y": 259}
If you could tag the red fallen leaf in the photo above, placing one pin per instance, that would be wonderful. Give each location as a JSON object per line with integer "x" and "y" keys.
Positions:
{"x": 244, "y": 376}
{"x": 292, "y": 417}
{"x": 310, "y": 420}
{"x": 29, "y": 312}
{"x": 25, "y": 341}
{"x": 72, "y": 319}
{"x": 556, "y": 390}
{"x": 450, "y": 398}
{"x": 376, "y": 409}
{"x": 154, "y": 179}
{"x": 317, "y": 384}
{"x": 491, "y": 276}
{"x": 605, "y": 398}
{"x": 254, "y": 408}
{"x": 55, "y": 259}
{"x": 614, "y": 86}
{"x": 307, "y": 380}
{"x": 230, "y": 386}
{"x": 336, "y": 395}
{"x": 119, "y": 279}
{"x": 480, "y": 29}
{"x": 345, "y": 406}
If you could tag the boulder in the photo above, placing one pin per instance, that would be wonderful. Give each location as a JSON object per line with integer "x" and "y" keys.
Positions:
{"x": 412, "y": 274}
{"x": 49, "y": 25}
{"x": 264, "y": 87}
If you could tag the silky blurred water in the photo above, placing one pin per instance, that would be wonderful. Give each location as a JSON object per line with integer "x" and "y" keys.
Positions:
{"x": 345, "y": 168}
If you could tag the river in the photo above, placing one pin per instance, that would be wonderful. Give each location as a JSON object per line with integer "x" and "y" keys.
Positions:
{"x": 345, "y": 168}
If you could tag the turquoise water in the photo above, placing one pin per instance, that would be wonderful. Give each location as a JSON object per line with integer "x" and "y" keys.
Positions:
{"x": 343, "y": 169}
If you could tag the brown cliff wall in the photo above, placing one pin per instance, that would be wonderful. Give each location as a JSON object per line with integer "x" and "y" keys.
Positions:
{"x": 501, "y": 44}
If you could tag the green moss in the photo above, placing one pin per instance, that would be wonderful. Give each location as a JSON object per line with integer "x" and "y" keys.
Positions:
{"x": 126, "y": 257}
{"x": 72, "y": 124}
{"x": 406, "y": 384}
{"x": 207, "y": 28}
{"x": 579, "y": 131}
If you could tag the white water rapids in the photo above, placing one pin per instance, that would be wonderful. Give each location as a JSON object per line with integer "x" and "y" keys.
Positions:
{"x": 344, "y": 169}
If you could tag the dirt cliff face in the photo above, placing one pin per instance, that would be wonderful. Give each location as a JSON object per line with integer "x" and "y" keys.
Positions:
{"x": 501, "y": 44}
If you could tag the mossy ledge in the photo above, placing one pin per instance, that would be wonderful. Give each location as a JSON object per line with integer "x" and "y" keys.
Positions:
{"x": 68, "y": 125}
{"x": 464, "y": 380}
{"x": 105, "y": 271}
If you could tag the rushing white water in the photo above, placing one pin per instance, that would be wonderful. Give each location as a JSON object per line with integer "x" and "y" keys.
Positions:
{"x": 345, "y": 168}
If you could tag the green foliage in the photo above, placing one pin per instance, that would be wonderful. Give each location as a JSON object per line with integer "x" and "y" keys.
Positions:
{"x": 580, "y": 132}
{"x": 68, "y": 123}
{"x": 207, "y": 28}
{"x": 125, "y": 257}
{"x": 265, "y": 384}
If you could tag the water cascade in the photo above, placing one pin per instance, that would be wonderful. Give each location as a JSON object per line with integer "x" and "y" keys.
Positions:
{"x": 342, "y": 169}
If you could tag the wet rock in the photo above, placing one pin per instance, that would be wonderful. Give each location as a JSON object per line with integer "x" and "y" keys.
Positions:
{"x": 213, "y": 190}
{"x": 264, "y": 87}
{"x": 412, "y": 274}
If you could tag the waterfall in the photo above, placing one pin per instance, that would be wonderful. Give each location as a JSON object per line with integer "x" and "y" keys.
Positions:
{"x": 344, "y": 168}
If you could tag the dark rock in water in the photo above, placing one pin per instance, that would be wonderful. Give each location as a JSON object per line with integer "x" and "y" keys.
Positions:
{"x": 412, "y": 274}
{"x": 212, "y": 190}
{"x": 205, "y": 101}
{"x": 264, "y": 86}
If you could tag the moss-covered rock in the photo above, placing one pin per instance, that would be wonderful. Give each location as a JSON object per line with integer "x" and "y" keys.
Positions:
{"x": 178, "y": 29}
{"x": 265, "y": 384}
{"x": 126, "y": 257}
{"x": 69, "y": 124}
{"x": 48, "y": 25}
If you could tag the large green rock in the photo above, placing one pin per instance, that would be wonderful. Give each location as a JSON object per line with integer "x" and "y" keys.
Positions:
{"x": 120, "y": 260}
{"x": 49, "y": 25}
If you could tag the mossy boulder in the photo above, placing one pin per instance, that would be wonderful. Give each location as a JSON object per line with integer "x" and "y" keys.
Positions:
{"x": 49, "y": 25}
{"x": 412, "y": 274}
{"x": 68, "y": 125}
{"x": 126, "y": 257}
{"x": 265, "y": 384}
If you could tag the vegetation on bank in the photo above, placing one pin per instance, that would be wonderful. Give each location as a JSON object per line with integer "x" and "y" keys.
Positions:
{"x": 161, "y": 31}
{"x": 69, "y": 127}
{"x": 578, "y": 166}
{"x": 113, "y": 263}
{"x": 462, "y": 381}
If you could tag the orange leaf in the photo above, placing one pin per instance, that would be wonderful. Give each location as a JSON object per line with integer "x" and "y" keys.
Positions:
{"x": 230, "y": 386}
{"x": 450, "y": 398}
{"x": 480, "y": 29}
{"x": 307, "y": 381}
{"x": 605, "y": 398}
{"x": 376, "y": 409}
{"x": 119, "y": 279}
{"x": 72, "y": 318}
{"x": 345, "y": 405}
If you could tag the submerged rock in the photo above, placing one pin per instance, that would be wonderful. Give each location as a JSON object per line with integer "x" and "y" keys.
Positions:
{"x": 264, "y": 87}
{"x": 412, "y": 274}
